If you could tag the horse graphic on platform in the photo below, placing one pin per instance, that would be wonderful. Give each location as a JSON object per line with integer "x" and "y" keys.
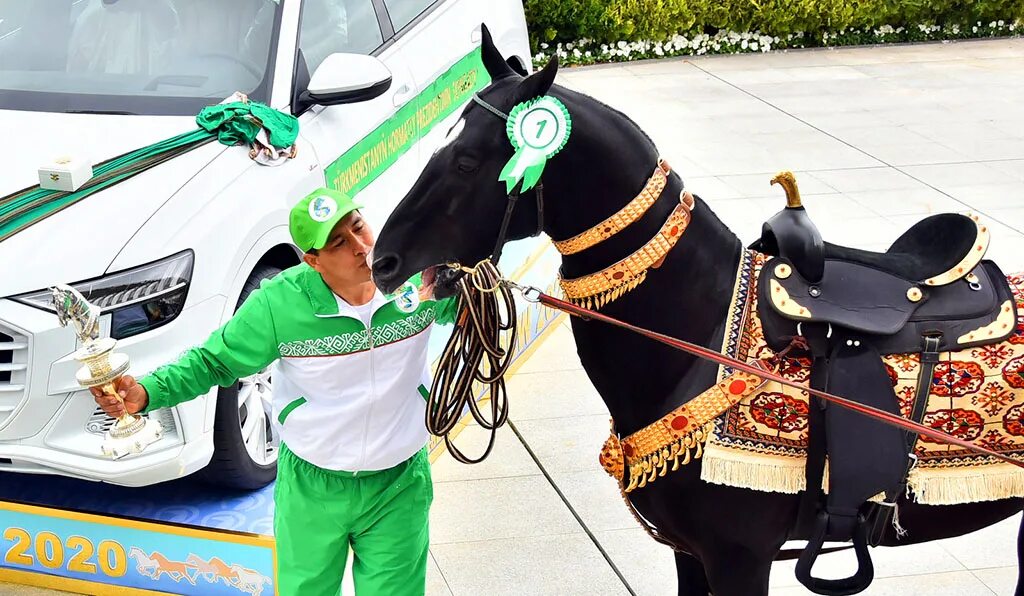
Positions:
{"x": 156, "y": 565}
{"x": 213, "y": 570}
{"x": 247, "y": 581}
{"x": 250, "y": 581}
{"x": 143, "y": 563}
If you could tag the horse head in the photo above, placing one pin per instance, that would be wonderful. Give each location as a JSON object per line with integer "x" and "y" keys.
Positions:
{"x": 453, "y": 211}
{"x": 73, "y": 309}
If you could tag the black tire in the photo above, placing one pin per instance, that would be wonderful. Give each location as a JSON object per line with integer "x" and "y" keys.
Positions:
{"x": 231, "y": 465}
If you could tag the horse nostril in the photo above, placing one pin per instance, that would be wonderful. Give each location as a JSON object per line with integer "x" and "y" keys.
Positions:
{"x": 385, "y": 266}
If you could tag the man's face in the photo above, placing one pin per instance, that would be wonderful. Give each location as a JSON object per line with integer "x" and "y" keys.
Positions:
{"x": 342, "y": 261}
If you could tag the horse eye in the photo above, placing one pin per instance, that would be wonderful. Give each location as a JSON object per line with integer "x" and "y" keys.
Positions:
{"x": 466, "y": 165}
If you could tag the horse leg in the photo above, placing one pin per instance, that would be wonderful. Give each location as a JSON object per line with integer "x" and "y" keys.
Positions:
{"x": 737, "y": 572}
{"x": 690, "y": 575}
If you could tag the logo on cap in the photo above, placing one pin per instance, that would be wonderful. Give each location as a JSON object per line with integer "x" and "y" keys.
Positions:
{"x": 322, "y": 208}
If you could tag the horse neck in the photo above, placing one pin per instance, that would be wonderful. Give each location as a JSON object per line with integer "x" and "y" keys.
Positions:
{"x": 687, "y": 297}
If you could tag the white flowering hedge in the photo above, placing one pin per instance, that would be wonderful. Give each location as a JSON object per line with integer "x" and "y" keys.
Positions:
{"x": 586, "y": 51}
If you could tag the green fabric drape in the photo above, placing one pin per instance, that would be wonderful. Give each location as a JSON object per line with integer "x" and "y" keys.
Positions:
{"x": 229, "y": 123}
{"x": 232, "y": 123}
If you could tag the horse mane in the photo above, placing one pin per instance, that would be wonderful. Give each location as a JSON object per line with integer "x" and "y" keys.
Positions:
{"x": 578, "y": 96}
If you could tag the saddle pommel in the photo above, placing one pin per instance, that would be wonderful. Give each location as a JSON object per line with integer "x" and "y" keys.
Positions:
{"x": 788, "y": 182}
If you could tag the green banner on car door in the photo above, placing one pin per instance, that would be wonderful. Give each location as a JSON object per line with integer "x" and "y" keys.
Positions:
{"x": 379, "y": 150}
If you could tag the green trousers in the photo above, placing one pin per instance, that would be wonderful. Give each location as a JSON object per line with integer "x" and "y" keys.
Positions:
{"x": 383, "y": 516}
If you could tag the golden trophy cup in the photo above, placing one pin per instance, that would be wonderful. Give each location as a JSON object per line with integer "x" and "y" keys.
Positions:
{"x": 103, "y": 368}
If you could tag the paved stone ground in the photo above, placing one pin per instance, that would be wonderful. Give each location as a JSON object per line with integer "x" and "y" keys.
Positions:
{"x": 878, "y": 137}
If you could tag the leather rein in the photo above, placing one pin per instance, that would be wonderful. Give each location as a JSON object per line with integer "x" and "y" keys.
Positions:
{"x": 487, "y": 312}
{"x": 535, "y": 295}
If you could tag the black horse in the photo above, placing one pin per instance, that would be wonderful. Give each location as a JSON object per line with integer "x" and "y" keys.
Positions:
{"x": 454, "y": 212}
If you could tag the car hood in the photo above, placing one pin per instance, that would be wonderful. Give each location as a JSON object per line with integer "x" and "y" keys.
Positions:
{"x": 81, "y": 241}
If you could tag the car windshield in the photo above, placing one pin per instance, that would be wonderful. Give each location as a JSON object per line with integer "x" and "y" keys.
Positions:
{"x": 159, "y": 57}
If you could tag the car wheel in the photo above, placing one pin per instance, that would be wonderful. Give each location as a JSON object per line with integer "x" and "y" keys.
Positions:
{"x": 245, "y": 443}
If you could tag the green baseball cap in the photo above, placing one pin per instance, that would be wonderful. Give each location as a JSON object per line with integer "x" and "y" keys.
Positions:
{"x": 313, "y": 218}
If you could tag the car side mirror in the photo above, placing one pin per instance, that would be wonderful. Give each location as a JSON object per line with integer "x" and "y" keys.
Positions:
{"x": 347, "y": 78}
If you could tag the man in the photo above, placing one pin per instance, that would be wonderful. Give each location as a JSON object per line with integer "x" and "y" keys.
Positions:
{"x": 349, "y": 398}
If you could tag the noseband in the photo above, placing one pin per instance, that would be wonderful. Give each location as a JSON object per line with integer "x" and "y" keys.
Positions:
{"x": 512, "y": 196}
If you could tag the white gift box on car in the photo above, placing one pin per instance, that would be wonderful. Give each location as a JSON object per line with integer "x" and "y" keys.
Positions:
{"x": 65, "y": 173}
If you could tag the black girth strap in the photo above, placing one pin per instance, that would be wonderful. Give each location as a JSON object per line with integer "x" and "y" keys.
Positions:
{"x": 817, "y": 337}
{"x": 886, "y": 511}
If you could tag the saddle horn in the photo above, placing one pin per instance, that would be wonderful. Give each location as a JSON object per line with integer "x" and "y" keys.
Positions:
{"x": 788, "y": 182}
{"x": 790, "y": 233}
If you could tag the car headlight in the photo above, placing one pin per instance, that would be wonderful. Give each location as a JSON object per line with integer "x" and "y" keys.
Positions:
{"x": 138, "y": 299}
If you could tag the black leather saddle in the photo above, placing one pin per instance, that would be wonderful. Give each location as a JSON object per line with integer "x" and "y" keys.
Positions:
{"x": 937, "y": 245}
{"x": 930, "y": 292}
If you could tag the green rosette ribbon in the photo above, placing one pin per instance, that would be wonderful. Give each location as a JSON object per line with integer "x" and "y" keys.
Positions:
{"x": 539, "y": 129}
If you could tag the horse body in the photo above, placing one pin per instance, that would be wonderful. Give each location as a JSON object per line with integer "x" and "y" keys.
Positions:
{"x": 250, "y": 581}
{"x": 213, "y": 570}
{"x": 175, "y": 569}
{"x": 730, "y": 535}
{"x": 639, "y": 380}
{"x": 143, "y": 563}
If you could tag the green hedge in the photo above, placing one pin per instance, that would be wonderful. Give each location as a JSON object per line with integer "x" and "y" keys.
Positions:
{"x": 611, "y": 21}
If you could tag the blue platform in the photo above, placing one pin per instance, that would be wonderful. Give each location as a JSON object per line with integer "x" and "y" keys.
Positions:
{"x": 179, "y": 537}
{"x": 185, "y": 501}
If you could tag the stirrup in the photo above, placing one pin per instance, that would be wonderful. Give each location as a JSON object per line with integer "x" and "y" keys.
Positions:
{"x": 858, "y": 582}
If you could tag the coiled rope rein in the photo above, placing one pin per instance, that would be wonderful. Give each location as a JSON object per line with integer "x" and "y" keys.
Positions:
{"x": 475, "y": 354}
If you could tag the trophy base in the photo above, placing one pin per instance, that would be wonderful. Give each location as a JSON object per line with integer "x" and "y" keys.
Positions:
{"x": 132, "y": 438}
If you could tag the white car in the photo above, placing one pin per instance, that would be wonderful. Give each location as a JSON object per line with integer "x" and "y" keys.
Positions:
{"x": 170, "y": 253}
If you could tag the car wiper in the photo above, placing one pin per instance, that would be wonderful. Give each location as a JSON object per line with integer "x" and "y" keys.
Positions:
{"x": 114, "y": 112}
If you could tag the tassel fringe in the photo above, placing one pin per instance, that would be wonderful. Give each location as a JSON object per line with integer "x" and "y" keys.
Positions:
{"x": 651, "y": 467}
{"x": 769, "y": 473}
{"x": 954, "y": 486}
{"x": 601, "y": 299}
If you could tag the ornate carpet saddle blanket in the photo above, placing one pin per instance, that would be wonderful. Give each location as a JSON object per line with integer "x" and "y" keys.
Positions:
{"x": 977, "y": 394}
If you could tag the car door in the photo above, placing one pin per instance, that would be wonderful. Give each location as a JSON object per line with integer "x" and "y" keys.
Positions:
{"x": 441, "y": 42}
{"x": 364, "y": 148}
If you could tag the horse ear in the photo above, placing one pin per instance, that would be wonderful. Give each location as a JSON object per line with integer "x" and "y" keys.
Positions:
{"x": 493, "y": 61}
{"x": 539, "y": 83}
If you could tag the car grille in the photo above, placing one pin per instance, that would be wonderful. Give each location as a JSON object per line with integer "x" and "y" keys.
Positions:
{"x": 99, "y": 423}
{"x": 13, "y": 370}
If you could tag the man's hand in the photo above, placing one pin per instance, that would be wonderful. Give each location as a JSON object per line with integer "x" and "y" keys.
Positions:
{"x": 134, "y": 396}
